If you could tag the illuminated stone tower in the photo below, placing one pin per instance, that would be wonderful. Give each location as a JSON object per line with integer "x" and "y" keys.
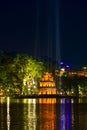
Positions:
{"x": 47, "y": 84}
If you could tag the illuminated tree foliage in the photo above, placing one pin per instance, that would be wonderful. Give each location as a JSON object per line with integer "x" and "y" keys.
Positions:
{"x": 75, "y": 84}
{"x": 21, "y": 75}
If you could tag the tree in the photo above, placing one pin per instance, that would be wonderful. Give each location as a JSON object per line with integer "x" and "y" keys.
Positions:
{"x": 20, "y": 74}
{"x": 29, "y": 72}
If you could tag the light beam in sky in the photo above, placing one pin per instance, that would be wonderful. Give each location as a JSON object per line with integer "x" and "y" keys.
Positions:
{"x": 37, "y": 30}
{"x": 58, "y": 55}
{"x": 57, "y": 12}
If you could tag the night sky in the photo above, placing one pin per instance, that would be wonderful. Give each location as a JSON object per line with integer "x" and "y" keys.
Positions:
{"x": 56, "y": 29}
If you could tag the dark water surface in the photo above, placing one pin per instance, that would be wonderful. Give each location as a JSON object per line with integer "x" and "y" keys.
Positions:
{"x": 43, "y": 114}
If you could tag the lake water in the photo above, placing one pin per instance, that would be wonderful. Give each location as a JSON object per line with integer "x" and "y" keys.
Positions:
{"x": 43, "y": 114}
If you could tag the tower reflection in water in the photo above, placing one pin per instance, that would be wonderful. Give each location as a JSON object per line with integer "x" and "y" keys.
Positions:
{"x": 47, "y": 113}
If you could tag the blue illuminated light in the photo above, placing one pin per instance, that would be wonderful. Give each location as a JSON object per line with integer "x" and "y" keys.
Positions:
{"x": 61, "y": 63}
{"x": 67, "y": 66}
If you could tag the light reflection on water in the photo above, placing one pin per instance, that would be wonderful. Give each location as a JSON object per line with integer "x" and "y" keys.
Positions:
{"x": 43, "y": 114}
{"x": 8, "y": 113}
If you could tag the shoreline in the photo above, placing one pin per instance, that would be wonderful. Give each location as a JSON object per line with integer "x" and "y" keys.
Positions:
{"x": 44, "y": 96}
{"x": 49, "y": 96}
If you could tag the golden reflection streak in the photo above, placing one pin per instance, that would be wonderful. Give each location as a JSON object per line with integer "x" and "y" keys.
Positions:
{"x": 47, "y": 100}
{"x": 8, "y": 113}
{"x": 47, "y": 113}
{"x": 31, "y": 114}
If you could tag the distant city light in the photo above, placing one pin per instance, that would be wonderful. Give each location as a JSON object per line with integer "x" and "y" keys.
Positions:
{"x": 61, "y": 63}
{"x": 67, "y": 66}
{"x": 62, "y": 69}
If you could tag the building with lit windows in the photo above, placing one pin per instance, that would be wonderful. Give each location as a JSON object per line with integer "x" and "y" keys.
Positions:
{"x": 82, "y": 72}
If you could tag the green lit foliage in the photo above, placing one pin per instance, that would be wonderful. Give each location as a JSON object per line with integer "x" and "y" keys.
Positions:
{"x": 64, "y": 75}
{"x": 29, "y": 71}
{"x": 76, "y": 83}
{"x": 82, "y": 85}
{"x": 19, "y": 74}
{"x": 8, "y": 79}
